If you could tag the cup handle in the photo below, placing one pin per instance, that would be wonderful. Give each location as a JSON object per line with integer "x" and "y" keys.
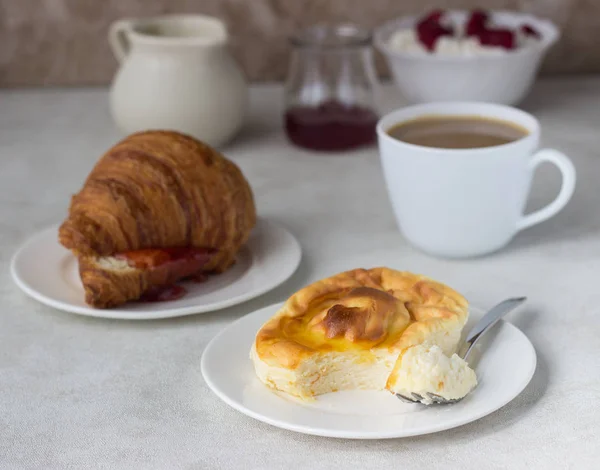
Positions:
{"x": 566, "y": 167}
{"x": 118, "y": 38}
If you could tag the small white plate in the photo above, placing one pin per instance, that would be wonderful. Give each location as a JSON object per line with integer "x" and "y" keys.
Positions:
{"x": 503, "y": 371}
{"x": 49, "y": 273}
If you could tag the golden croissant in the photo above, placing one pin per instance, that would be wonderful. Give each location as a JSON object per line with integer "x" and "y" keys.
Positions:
{"x": 153, "y": 191}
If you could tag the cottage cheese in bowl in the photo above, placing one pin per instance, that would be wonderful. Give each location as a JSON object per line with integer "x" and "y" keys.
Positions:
{"x": 465, "y": 55}
{"x": 474, "y": 34}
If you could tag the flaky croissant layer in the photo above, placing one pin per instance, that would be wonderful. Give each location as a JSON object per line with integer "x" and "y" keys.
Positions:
{"x": 159, "y": 189}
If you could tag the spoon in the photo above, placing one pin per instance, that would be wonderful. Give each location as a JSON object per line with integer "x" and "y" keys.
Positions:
{"x": 482, "y": 326}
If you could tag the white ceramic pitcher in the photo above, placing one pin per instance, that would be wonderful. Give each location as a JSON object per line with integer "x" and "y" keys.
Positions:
{"x": 176, "y": 73}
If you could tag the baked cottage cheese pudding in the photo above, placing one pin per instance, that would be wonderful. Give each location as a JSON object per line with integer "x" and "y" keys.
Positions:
{"x": 425, "y": 369}
{"x": 369, "y": 329}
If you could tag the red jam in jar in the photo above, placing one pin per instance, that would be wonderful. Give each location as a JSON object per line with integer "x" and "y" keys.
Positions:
{"x": 330, "y": 88}
{"x": 331, "y": 126}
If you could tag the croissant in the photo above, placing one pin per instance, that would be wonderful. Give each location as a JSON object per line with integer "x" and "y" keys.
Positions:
{"x": 152, "y": 191}
{"x": 347, "y": 331}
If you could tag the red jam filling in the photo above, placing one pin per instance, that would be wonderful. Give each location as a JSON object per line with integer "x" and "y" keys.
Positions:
{"x": 174, "y": 264}
{"x": 163, "y": 293}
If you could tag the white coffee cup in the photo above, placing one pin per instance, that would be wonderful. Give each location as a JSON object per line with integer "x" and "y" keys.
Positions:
{"x": 466, "y": 202}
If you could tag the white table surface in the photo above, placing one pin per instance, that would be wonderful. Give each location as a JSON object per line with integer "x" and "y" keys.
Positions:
{"x": 78, "y": 392}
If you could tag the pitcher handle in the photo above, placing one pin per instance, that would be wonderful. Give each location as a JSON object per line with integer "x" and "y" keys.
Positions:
{"x": 566, "y": 167}
{"x": 118, "y": 39}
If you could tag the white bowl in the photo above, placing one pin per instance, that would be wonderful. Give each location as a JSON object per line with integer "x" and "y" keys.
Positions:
{"x": 503, "y": 78}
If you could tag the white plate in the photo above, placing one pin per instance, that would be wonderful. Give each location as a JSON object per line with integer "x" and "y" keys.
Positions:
{"x": 48, "y": 272}
{"x": 503, "y": 370}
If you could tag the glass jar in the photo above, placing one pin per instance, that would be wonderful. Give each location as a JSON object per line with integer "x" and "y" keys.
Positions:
{"x": 330, "y": 89}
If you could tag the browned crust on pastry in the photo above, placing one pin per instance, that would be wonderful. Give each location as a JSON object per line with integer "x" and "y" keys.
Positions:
{"x": 106, "y": 288}
{"x": 359, "y": 309}
{"x": 157, "y": 189}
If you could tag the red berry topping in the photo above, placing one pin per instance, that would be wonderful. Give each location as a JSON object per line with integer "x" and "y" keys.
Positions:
{"x": 476, "y": 22}
{"x": 498, "y": 37}
{"x": 430, "y": 29}
{"x": 429, "y": 33}
{"x": 435, "y": 16}
{"x": 529, "y": 30}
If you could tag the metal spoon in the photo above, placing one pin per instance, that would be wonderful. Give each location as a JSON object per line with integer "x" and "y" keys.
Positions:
{"x": 484, "y": 325}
